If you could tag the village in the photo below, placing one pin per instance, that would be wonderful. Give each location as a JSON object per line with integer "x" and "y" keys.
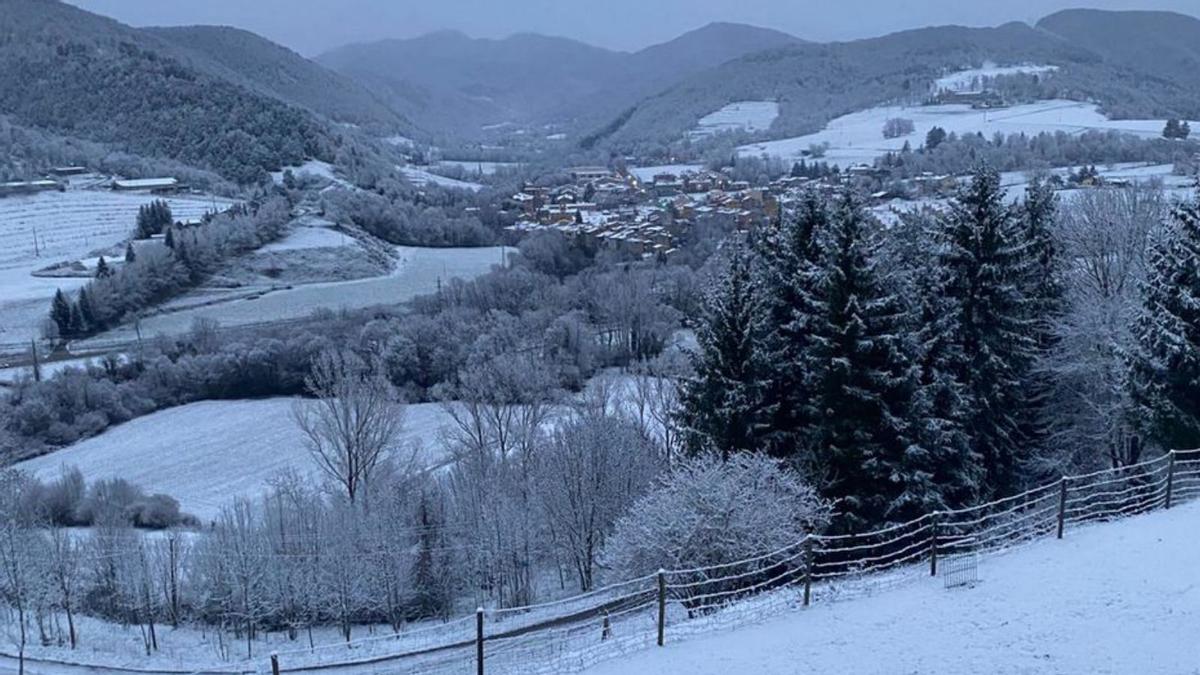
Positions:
{"x": 646, "y": 211}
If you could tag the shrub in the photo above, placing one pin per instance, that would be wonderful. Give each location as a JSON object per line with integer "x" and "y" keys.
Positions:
{"x": 708, "y": 512}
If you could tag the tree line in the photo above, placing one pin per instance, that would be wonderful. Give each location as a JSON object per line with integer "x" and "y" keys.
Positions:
{"x": 153, "y": 271}
{"x": 926, "y": 367}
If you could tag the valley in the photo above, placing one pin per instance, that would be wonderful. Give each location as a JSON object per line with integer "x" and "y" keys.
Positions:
{"x": 450, "y": 349}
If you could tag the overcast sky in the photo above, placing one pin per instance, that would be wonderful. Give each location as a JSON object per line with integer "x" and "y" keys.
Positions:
{"x": 313, "y": 26}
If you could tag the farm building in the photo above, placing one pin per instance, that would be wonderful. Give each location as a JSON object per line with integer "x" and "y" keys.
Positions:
{"x": 146, "y": 184}
{"x": 25, "y": 187}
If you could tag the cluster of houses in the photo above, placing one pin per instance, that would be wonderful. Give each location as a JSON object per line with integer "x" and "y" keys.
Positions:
{"x": 647, "y": 212}
{"x": 58, "y": 179}
{"x": 616, "y": 210}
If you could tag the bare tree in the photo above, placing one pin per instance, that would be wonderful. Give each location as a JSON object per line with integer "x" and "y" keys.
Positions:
{"x": 16, "y": 565}
{"x": 591, "y": 470}
{"x": 656, "y": 399}
{"x": 1105, "y": 237}
{"x": 353, "y": 421}
{"x": 66, "y": 574}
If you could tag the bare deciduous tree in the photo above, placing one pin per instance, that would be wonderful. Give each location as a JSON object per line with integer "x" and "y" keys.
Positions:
{"x": 1105, "y": 236}
{"x": 353, "y": 421}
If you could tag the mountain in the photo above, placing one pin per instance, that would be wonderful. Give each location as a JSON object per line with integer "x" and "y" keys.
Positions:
{"x": 80, "y": 75}
{"x": 262, "y": 66}
{"x": 1157, "y": 49}
{"x": 814, "y": 83}
{"x": 705, "y": 48}
{"x": 450, "y": 83}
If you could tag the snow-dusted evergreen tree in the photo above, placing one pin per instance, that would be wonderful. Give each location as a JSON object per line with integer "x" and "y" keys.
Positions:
{"x": 724, "y": 405}
{"x": 1045, "y": 291}
{"x": 862, "y": 434}
{"x": 60, "y": 313}
{"x": 789, "y": 271}
{"x": 984, "y": 265}
{"x": 1165, "y": 373}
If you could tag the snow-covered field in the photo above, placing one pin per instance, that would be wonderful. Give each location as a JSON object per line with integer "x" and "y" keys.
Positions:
{"x": 1113, "y": 598}
{"x": 971, "y": 80}
{"x": 206, "y": 454}
{"x": 646, "y": 174}
{"x": 69, "y": 225}
{"x": 422, "y": 177}
{"x": 418, "y": 272}
{"x": 309, "y": 236}
{"x": 479, "y": 168}
{"x": 748, "y": 116}
{"x": 857, "y": 138}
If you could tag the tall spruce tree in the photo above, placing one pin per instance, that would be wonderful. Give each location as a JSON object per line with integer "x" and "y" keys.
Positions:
{"x": 984, "y": 266}
{"x": 790, "y": 270}
{"x": 863, "y": 435}
{"x": 724, "y": 407}
{"x": 103, "y": 271}
{"x": 1045, "y": 291}
{"x": 130, "y": 254}
{"x": 60, "y": 313}
{"x": 1165, "y": 366}
{"x": 87, "y": 311}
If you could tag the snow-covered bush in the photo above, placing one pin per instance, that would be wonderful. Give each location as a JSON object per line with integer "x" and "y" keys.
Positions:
{"x": 709, "y": 512}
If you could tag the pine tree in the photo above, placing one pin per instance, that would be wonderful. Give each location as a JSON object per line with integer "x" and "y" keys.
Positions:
{"x": 789, "y": 272}
{"x": 1165, "y": 367}
{"x": 984, "y": 267}
{"x": 863, "y": 437}
{"x": 1045, "y": 291}
{"x": 724, "y": 406}
{"x": 60, "y": 313}
{"x": 130, "y": 253}
{"x": 103, "y": 271}
{"x": 1171, "y": 130}
{"x": 77, "y": 327}
{"x": 87, "y": 313}
{"x": 934, "y": 138}
{"x": 169, "y": 238}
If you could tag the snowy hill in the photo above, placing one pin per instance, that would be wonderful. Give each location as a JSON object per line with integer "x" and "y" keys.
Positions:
{"x": 1113, "y": 598}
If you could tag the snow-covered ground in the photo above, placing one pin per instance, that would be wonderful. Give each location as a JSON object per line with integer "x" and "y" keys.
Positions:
{"x": 417, "y": 272}
{"x": 313, "y": 167}
{"x": 206, "y": 454}
{"x": 974, "y": 78}
{"x": 309, "y": 236}
{"x": 857, "y": 138}
{"x": 69, "y": 225}
{"x": 479, "y": 168}
{"x": 422, "y": 177}
{"x": 1112, "y": 598}
{"x": 646, "y": 174}
{"x": 748, "y": 116}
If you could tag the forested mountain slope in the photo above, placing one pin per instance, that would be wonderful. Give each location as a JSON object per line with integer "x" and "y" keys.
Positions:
{"x": 1158, "y": 52}
{"x": 82, "y": 75}
{"x": 815, "y": 82}
{"x": 260, "y": 65}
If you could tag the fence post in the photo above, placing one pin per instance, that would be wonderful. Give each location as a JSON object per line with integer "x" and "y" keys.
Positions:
{"x": 662, "y": 606}
{"x": 1170, "y": 478}
{"x": 933, "y": 544}
{"x": 1062, "y": 505}
{"x": 479, "y": 641}
{"x": 274, "y": 663}
{"x": 808, "y": 567}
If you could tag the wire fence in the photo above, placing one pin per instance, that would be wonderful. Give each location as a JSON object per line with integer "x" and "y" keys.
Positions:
{"x": 575, "y": 633}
